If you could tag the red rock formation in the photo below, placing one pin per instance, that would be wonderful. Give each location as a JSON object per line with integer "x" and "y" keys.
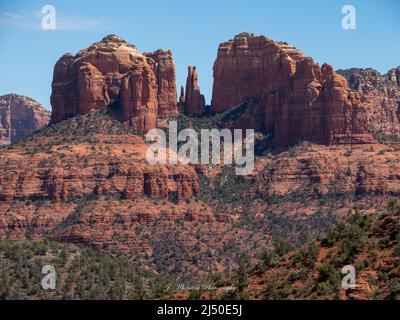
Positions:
{"x": 380, "y": 94}
{"x": 285, "y": 93}
{"x": 114, "y": 71}
{"x": 181, "y": 103}
{"x": 194, "y": 100}
{"x": 164, "y": 69}
{"x": 19, "y": 117}
{"x": 138, "y": 98}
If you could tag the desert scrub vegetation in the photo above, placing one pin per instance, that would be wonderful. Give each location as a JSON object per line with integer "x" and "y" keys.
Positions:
{"x": 370, "y": 243}
{"x": 79, "y": 129}
{"x": 81, "y": 273}
{"x": 226, "y": 190}
{"x": 384, "y": 138}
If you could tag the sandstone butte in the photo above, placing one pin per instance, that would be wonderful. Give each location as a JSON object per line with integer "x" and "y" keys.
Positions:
{"x": 110, "y": 71}
{"x": 19, "y": 117}
{"x": 283, "y": 92}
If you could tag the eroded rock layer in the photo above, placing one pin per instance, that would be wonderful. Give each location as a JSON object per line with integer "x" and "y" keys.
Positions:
{"x": 91, "y": 173}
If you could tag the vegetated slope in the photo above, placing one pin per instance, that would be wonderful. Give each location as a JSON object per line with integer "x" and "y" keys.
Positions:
{"x": 81, "y": 273}
{"x": 370, "y": 243}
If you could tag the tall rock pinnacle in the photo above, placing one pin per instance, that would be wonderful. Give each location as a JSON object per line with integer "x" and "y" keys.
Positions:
{"x": 194, "y": 100}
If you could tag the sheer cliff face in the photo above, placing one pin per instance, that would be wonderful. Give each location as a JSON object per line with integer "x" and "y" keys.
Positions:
{"x": 19, "y": 117}
{"x": 114, "y": 71}
{"x": 285, "y": 93}
{"x": 164, "y": 68}
{"x": 380, "y": 94}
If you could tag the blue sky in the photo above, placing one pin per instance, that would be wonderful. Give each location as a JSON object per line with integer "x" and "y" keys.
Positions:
{"x": 192, "y": 30}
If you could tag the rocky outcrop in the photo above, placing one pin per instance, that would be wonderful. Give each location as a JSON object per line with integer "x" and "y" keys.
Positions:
{"x": 275, "y": 88}
{"x": 112, "y": 70}
{"x": 194, "y": 100}
{"x": 380, "y": 94}
{"x": 19, "y": 117}
{"x": 164, "y": 69}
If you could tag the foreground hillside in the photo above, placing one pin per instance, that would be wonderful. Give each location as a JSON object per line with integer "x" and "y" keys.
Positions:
{"x": 81, "y": 273}
{"x": 370, "y": 243}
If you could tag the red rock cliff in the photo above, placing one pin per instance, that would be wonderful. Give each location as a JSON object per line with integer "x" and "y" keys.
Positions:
{"x": 113, "y": 70}
{"x": 19, "y": 117}
{"x": 164, "y": 69}
{"x": 291, "y": 96}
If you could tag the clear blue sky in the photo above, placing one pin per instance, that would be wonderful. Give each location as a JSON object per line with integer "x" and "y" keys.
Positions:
{"x": 192, "y": 30}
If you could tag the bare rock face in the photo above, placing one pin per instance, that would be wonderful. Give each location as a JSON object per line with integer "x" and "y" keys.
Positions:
{"x": 19, "y": 117}
{"x": 112, "y": 70}
{"x": 282, "y": 92}
{"x": 380, "y": 94}
{"x": 194, "y": 100}
{"x": 164, "y": 69}
{"x": 138, "y": 98}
